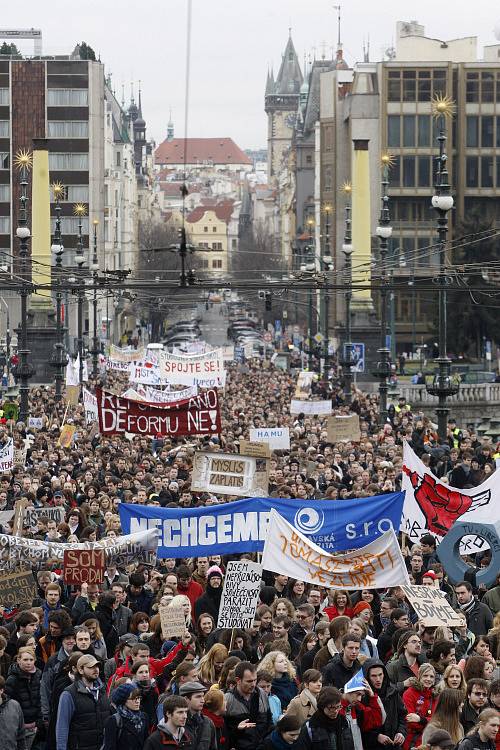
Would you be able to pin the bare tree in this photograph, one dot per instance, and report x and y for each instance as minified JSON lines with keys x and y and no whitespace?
{"x":257,"y":255}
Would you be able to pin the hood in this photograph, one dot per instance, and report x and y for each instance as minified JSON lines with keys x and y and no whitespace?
{"x":369,"y":664}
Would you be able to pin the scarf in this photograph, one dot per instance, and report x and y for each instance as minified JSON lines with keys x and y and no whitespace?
{"x":136,"y":718}
{"x":310,"y":697}
{"x":468,"y":606}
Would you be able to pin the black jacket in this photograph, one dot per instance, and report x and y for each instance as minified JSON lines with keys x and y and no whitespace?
{"x":337,"y":674}
{"x":479,"y":618}
{"x":202,"y":730}
{"x":256,"y":710}
{"x":395,"y":720}
{"x":209,"y":602}
{"x":24,"y":687}
{"x":468,"y":717}
{"x":384,"y":643}
{"x":120,"y":734}
{"x":104,"y":615}
{"x":321,"y":733}
{"x":162,"y":740}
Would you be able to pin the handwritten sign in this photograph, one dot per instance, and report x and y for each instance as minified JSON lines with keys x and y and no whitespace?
{"x":17,"y":589}
{"x":230,"y":474}
{"x":90,"y":406}
{"x":7,"y":456}
{"x":256,"y":450}
{"x":240,"y":594}
{"x":376,"y":566}
{"x":316,"y":408}
{"x":304,"y":383}
{"x":173,"y":622}
{"x":56,"y":513}
{"x":35,"y":422}
{"x":278,"y":438}
{"x":432,"y":607}
{"x":84,"y":566}
{"x":343,"y":427}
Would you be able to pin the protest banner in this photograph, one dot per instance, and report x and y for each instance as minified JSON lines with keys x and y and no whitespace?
{"x":35,"y":423}
{"x":6,"y":517}
{"x":432,"y":506}
{"x":197,"y":369}
{"x":240,"y":594}
{"x":228,"y":353}
{"x":378,"y":565}
{"x":242,"y":525}
{"x":194,"y":416}
{"x":343,"y":427}
{"x":7,"y":456}
{"x":155,"y":396}
{"x":17,"y":589}
{"x":84,"y":566}
{"x":173,"y":622}
{"x":278,"y":438}
{"x":431,"y":606}
{"x":229,"y":474}
{"x":72,"y":394}
{"x":90,"y":406}
{"x":66,"y":435}
{"x":120,"y":551}
{"x":257,"y":450}
{"x":20,"y":456}
{"x":126,"y":355}
{"x":303,"y":385}
{"x":313,"y":408}
{"x":72,"y":373}
{"x":147,"y":374}
{"x":55,"y":513}
{"x":117,"y":365}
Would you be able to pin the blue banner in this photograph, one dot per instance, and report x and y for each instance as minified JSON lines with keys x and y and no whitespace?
{"x":241,"y":525}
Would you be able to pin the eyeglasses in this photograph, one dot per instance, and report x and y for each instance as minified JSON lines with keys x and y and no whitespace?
{"x":479,"y":695}
{"x":335,"y":707}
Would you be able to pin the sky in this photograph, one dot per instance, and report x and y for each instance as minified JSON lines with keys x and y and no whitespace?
{"x":233,"y":42}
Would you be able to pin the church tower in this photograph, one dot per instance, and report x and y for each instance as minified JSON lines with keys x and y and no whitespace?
{"x":281,"y":105}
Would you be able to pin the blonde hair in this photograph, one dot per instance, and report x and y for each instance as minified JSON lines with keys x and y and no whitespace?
{"x":206,"y":665}
{"x":267,"y":664}
{"x":443,"y":684}
{"x":178,"y":601}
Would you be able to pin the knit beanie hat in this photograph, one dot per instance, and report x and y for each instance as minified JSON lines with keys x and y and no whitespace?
{"x":122,"y":693}
{"x":214,"y":572}
{"x":359,"y":607}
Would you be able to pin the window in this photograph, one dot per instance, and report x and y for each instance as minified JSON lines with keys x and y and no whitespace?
{"x":77,"y":194}
{"x":408,"y":171}
{"x":424,"y":171}
{"x":4,"y":97}
{"x":396,"y":172}
{"x":216,"y":264}
{"x":424,"y":130}
{"x":68,"y":129}
{"x":439,"y":82}
{"x":424,"y":86}
{"x":4,"y":128}
{"x":118,"y":159}
{"x":471,"y":171}
{"x":487,"y":131}
{"x":409,"y":85}
{"x":4,"y":225}
{"x":234,"y":244}
{"x":487,"y":87}
{"x":69,"y":161}
{"x":4,"y":160}
{"x":394,"y":86}
{"x":487,"y":171}
{"x":214,"y":229}
{"x":69,"y":224}
{"x":328,"y":178}
{"x":472,"y":87}
{"x":4,"y":193}
{"x":205,"y":229}
{"x":217,"y":246}
{"x":424,"y":251}
{"x":393,"y":130}
{"x":204,"y":263}
{"x":409,"y":130}
{"x":308,"y":159}
{"x":406,"y":251}
{"x":498,"y":171}
{"x":67,"y":97}
{"x":472,"y":131}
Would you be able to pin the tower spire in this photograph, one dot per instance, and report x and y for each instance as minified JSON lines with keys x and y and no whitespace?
{"x":339,"y":43}
{"x":140,"y":103}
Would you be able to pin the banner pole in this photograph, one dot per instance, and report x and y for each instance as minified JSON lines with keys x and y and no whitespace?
{"x":232,"y":639}
{"x":65,"y":413}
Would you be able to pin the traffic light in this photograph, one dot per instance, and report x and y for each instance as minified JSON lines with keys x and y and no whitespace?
{"x":269,"y":306}
{"x":191,"y":278}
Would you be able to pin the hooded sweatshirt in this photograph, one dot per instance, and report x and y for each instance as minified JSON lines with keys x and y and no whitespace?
{"x":394,"y":721}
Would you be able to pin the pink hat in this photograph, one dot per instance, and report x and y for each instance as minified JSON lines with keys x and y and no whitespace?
{"x":214,"y":571}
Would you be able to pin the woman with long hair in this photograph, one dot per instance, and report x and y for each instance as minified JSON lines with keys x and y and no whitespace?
{"x":296,"y":592}
{"x":23,"y":684}
{"x":308,"y":643}
{"x":446,"y":716}
{"x":139,"y":624}
{"x":181,"y":600}
{"x":283,"y":607}
{"x":96,"y":638}
{"x":227,"y":668}
{"x":338,"y":628}
{"x":141,"y":676}
{"x":205,"y":624}
{"x":485,"y":733}
{"x":474,"y":667}
{"x":265,"y":617}
{"x":304,"y":705}
{"x":283,"y":673}
{"x":368,"y":645}
{"x":213,"y":707}
{"x":341,"y":605}
{"x":210,"y":666}
{"x":453,"y":678}
{"x":420,"y":702}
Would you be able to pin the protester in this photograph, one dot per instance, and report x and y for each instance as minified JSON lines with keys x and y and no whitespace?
{"x":127,"y":729}
{"x":12,"y":731}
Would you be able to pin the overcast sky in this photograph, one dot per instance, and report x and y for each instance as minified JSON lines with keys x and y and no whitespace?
{"x":233,"y":42}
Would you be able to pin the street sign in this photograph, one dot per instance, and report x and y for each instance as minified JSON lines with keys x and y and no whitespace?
{"x":285,"y":315}
{"x":319,"y":338}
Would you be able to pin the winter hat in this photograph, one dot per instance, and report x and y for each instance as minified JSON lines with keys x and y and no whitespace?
{"x":121,"y":694}
{"x":440,"y":738}
{"x":430,"y":574}
{"x":359,"y":607}
{"x":288,"y":724}
{"x":214,"y":572}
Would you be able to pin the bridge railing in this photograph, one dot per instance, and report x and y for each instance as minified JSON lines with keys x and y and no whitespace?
{"x":468,"y":393}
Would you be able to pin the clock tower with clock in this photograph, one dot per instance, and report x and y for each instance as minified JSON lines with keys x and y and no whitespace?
{"x":281,"y":106}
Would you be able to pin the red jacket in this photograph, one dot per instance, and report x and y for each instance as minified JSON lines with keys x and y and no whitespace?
{"x":193,"y":591}
{"x":333,"y":612}
{"x":156,"y":666}
{"x":422,"y":703}
{"x":368,"y":717}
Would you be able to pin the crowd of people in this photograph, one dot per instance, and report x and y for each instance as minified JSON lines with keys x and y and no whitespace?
{"x":87,"y":668}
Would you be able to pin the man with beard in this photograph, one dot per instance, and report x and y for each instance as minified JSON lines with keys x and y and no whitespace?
{"x":208,"y":603}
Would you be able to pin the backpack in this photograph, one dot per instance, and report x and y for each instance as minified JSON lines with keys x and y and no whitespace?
{"x":119,"y":726}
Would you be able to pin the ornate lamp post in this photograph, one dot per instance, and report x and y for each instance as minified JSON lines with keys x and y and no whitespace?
{"x":23,"y":161}
{"x":384,"y":233}
{"x":80,"y":210}
{"x":442,"y":385}
{"x":327,"y":260}
{"x":346,"y":361}
{"x":94,"y":267}
{"x":59,"y":358}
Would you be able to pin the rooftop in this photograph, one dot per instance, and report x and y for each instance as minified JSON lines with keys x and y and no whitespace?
{"x":200,"y":151}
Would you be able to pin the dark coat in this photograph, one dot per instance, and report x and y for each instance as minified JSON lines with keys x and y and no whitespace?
{"x":11,"y":725}
{"x":202,"y":730}
{"x":256,"y":710}
{"x":162,"y":740}
{"x":399,"y":670}
{"x":395,"y":720}
{"x":208,"y":603}
{"x":104,"y":616}
{"x":320,"y":733}
{"x":61,"y":682}
{"x":337,"y":674}
{"x":122,"y":735}
{"x":479,"y":618}
{"x":24,"y":687}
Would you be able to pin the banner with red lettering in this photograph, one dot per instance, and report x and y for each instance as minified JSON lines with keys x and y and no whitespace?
{"x":193,"y":416}
{"x":204,"y":370}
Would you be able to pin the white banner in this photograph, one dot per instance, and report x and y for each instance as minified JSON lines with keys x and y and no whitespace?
{"x":90,"y":406}
{"x":73,"y":371}
{"x":146,"y":373}
{"x":115,"y":364}
{"x":7,"y":456}
{"x":378,"y":565}
{"x":35,"y":422}
{"x":316,"y":408}
{"x":240,"y":594}
{"x":228,"y":353}
{"x":230,"y":474}
{"x":278,"y":438}
{"x":199,"y":369}
{"x":432,"y":506}
{"x":125,"y":355}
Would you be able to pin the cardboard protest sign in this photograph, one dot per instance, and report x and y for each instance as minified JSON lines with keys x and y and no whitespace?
{"x":7,"y":456}
{"x":35,"y":422}
{"x":66,"y":436}
{"x":20,"y":456}
{"x":432,"y":607}
{"x":19,"y":511}
{"x":378,"y":565}
{"x":257,"y":450}
{"x":173,"y":622}
{"x":90,"y":406}
{"x":343,"y":427}
{"x":84,"y":566}
{"x":304,"y":383}
{"x":126,"y":355}
{"x":278,"y":438}
{"x":56,"y":513}
{"x":17,"y":589}
{"x":240,"y":594}
{"x":315,"y":408}
{"x":72,"y":394}
{"x":230,"y":474}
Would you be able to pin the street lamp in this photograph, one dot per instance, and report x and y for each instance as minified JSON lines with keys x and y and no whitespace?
{"x":94,"y":267}
{"x":23,"y":162}
{"x":346,"y":360}
{"x":442,"y":385}
{"x":327,"y":260}
{"x":384,"y":233}
{"x":80,"y":211}
{"x":59,"y":358}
